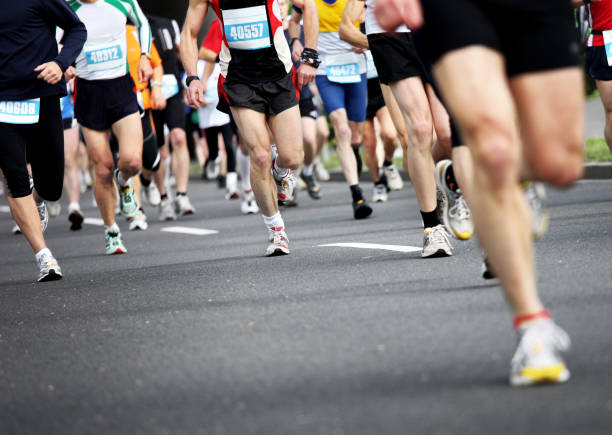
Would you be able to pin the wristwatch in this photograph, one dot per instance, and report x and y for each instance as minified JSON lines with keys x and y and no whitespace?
{"x":310,"y":57}
{"x":189,"y":79}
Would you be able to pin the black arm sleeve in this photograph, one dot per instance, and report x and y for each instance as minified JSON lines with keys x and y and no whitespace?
{"x":75,"y":33}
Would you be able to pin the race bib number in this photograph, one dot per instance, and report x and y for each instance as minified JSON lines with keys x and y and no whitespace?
{"x":67,"y":107}
{"x":170,"y":86}
{"x":20,"y":112}
{"x":247,"y":28}
{"x":607,"y":36}
{"x":372,"y":73}
{"x":343,"y":68}
{"x":104,"y":58}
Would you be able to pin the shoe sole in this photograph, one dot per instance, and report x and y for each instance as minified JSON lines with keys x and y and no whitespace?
{"x":362,"y":212}
{"x":76,"y":221}
{"x":51,"y":276}
{"x":278,"y":252}
{"x":118,"y":251}
{"x":557,"y":374}
{"x":314,"y":195}
{"x":438,"y":254}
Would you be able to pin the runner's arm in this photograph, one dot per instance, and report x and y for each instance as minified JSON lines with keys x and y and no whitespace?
{"x":308,"y":9}
{"x":348,"y":32}
{"x":294,"y":34}
{"x":196,"y":12}
{"x":138,"y":18}
{"x":74,"y":31}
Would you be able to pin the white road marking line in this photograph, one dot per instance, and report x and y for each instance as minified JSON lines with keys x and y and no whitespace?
{"x":188,"y":230}
{"x":5,"y":209}
{"x":94,"y":221}
{"x":396,"y":248}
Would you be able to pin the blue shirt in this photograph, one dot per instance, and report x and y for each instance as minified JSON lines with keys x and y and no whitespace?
{"x":27,"y":39}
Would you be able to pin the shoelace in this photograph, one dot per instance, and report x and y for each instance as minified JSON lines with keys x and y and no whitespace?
{"x":439,"y":235}
{"x":460,"y":209}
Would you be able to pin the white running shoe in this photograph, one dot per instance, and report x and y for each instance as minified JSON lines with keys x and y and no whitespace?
{"x":128,"y":206}
{"x":536,"y":197}
{"x":183,"y":206}
{"x":436,"y":243}
{"x":55,"y":208}
{"x":454,"y":211}
{"x":249,"y":205}
{"x":48,"y":269}
{"x":43,"y":213}
{"x":537,"y":358}
{"x":151,"y":194}
{"x":394,"y":179}
{"x":16,"y":230}
{"x":231,"y":186}
{"x":279,"y":243}
{"x":321,"y":173}
{"x":285,"y":187}
{"x":166,"y":211}
{"x":139,"y":222}
{"x":211,"y":169}
{"x":380,"y":193}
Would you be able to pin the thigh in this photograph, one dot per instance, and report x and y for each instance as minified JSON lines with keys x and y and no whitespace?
{"x":550,"y":108}
{"x":605,"y":93}
{"x":13,"y":161}
{"x":387,"y":129}
{"x":71,"y":143}
{"x":251,"y":127}
{"x":309,"y":129}
{"x":413,"y":102}
{"x":332,"y":94}
{"x":394,"y":110}
{"x":287,"y":129}
{"x":98,"y":147}
{"x":129,"y":135}
{"x":356,"y":98}
{"x":441,"y":120}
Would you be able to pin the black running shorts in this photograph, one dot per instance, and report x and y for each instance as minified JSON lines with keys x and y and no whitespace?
{"x":101,"y":103}
{"x":375,"y":98}
{"x":533,"y":35}
{"x":395,"y":57}
{"x":596,"y":65}
{"x":270,"y":98}
{"x":308,"y":108}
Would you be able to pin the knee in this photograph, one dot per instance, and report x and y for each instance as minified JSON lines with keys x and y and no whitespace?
{"x":131,"y":165}
{"x":497,"y":157}
{"x":104,"y":174}
{"x":293,"y":159}
{"x":262,"y":158}
{"x":422,"y":132}
{"x":389,"y":136}
{"x":178,"y":137}
{"x":343,"y":134}
{"x":559,"y":164}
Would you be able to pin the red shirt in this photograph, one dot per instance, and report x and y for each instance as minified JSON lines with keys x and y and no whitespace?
{"x":213,"y":37}
{"x":600,"y":19}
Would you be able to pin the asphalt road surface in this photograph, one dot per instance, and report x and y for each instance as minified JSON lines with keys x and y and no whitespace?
{"x":201,"y":334}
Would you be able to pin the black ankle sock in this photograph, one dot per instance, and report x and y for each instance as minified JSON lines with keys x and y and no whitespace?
{"x":144,"y":181}
{"x":450,"y":180}
{"x":181,"y":194}
{"x":430,"y":218}
{"x":164,"y":197}
{"x":387,"y":162}
{"x":356,"y":192}
{"x":358,"y":158}
{"x":382,"y":180}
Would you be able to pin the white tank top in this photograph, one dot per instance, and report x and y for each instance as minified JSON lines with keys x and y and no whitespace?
{"x":371,"y":23}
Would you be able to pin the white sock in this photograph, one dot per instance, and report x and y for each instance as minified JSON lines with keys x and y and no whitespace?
{"x":114,"y":228}
{"x":44,"y":251}
{"x":73,"y":206}
{"x":121,"y":180}
{"x":308,"y":169}
{"x":274,"y":222}
{"x":244,"y":164}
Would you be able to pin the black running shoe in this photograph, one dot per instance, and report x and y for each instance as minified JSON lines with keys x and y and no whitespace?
{"x":314,"y":190}
{"x":361,"y":209}
{"x":76,"y":220}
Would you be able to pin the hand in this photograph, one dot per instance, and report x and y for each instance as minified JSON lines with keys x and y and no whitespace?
{"x":50,"y":72}
{"x":159,"y":102}
{"x":195,"y":94}
{"x":306,"y":74}
{"x":70,"y":73}
{"x":359,"y":50}
{"x":392,"y":13}
{"x":296,"y":50}
{"x":145,"y":72}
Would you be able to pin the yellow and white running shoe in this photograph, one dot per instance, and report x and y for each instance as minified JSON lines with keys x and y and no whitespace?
{"x":537,"y":359}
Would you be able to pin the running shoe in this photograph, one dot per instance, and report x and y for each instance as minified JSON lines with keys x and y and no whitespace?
{"x":151,"y":194}
{"x":380,"y":193}
{"x":183,"y":206}
{"x":16,"y":230}
{"x":76,"y":219}
{"x":249,"y":206}
{"x":231,"y":186}
{"x":166,"y":211}
{"x":487,"y":272}
{"x":361,"y":209}
{"x":436,"y":243}
{"x":279,"y":243}
{"x":128,"y":206}
{"x":139,"y":222}
{"x":211,"y":170}
{"x":55,"y":208}
{"x":314,"y":190}
{"x":43,"y":213}
{"x":285,"y":187}
{"x":455,"y":213}
{"x":394,"y":179}
{"x":48,"y":269}
{"x":114,"y":242}
{"x":536,"y":197}
{"x":537,"y":359}
{"x":320,"y":172}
